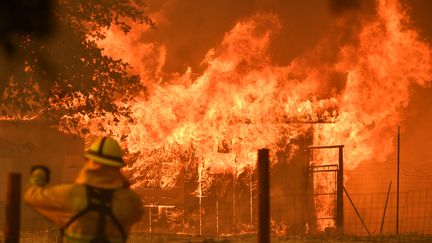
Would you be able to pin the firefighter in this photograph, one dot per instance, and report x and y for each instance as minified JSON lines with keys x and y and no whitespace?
{"x":98,"y":208}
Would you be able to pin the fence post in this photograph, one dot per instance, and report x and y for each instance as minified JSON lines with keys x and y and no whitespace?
{"x":397,"y":181}
{"x":12,"y":208}
{"x":340,"y":189}
{"x":263,"y":196}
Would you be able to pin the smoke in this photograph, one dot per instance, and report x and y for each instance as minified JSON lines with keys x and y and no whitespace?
{"x":339,"y":6}
{"x":188,"y":29}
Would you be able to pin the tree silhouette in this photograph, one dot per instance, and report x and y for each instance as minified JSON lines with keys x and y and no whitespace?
{"x":55,"y":68}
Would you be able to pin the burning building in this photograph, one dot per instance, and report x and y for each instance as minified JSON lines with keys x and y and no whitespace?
{"x":228,"y":204}
{"x":204,"y":128}
{"x":209,"y":103}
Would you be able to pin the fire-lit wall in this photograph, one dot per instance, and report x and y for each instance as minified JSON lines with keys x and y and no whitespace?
{"x":26,"y":143}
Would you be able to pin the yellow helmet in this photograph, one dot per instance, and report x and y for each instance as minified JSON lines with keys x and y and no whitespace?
{"x":106,"y":151}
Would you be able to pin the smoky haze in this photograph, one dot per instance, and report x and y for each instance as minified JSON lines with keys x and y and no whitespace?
{"x":190,"y":28}
{"x":340,"y":6}
{"x":416,"y":141}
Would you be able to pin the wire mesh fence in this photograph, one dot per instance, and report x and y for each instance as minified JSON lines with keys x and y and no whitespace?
{"x":290,"y":216}
{"x":415,"y":213}
{"x":415,"y":218}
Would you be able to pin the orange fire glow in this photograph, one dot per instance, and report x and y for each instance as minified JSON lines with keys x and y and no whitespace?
{"x":242,"y":101}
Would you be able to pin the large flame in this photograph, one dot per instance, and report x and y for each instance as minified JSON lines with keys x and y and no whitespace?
{"x":389,"y":58}
{"x":242,"y":101}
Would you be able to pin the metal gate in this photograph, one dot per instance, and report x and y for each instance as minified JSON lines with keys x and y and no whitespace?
{"x":331,"y":189}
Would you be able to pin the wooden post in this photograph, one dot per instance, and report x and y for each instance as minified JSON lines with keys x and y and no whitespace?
{"x":340,"y":186}
{"x":263,"y":196}
{"x":250,"y":197}
{"x":12,"y":208}
{"x":234,"y":201}
{"x":397,"y":181}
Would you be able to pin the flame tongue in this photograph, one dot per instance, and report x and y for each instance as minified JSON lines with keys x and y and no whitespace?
{"x":242,"y":101}
{"x":388,"y":60}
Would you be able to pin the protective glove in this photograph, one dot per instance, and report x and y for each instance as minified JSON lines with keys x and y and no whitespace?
{"x":42,"y":168}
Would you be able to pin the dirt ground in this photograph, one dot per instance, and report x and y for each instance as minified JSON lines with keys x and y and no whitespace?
{"x":291,"y":239}
{"x":43,"y":237}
